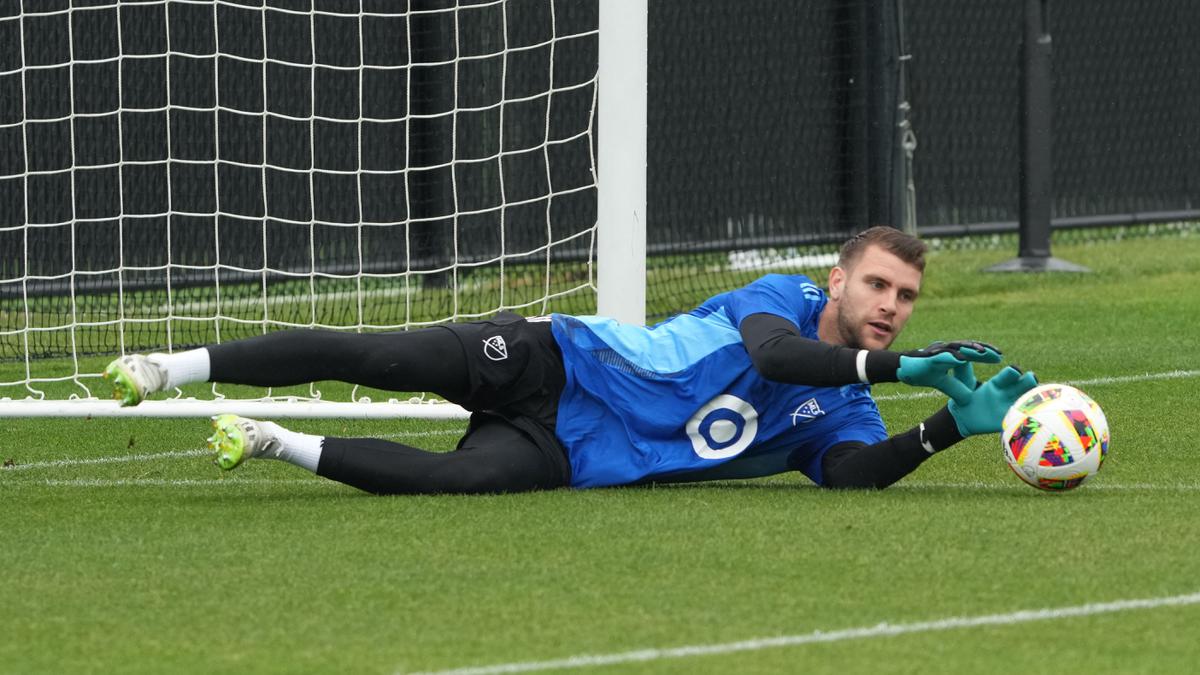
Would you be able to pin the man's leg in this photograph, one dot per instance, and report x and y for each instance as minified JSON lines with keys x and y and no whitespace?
{"x":236,"y":439}
{"x":493,"y":457}
{"x":429,"y":359}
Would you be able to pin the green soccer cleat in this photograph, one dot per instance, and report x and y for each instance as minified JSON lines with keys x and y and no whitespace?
{"x":236,"y":439}
{"x":133,"y":377}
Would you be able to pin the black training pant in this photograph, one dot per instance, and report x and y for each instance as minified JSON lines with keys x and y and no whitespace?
{"x":510,"y":444}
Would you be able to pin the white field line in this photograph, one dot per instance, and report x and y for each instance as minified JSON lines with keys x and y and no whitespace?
{"x":207,"y":307}
{"x":168,"y":482}
{"x":1095,"y":484}
{"x":176,"y":454}
{"x":1169,"y":375}
{"x":423,"y":434}
{"x":150,"y":456}
{"x":883,"y":629}
{"x":164,"y":482}
{"x":1147,"y":377}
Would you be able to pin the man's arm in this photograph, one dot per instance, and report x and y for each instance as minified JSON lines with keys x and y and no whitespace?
{"x":855,"y":465}
{"x":781,"y":354}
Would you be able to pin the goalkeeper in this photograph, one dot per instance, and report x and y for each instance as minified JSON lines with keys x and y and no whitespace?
{"x":768,"y":378}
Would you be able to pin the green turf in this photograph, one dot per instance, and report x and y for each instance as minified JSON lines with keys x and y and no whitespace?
{"x":164,"y":565}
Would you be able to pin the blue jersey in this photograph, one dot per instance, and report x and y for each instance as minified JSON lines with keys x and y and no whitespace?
{"x":682,"y":400}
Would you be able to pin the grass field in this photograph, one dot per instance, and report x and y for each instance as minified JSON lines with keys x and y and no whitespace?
{"x":123,"y":550}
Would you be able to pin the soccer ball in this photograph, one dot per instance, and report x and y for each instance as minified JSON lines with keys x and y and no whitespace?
{"x":1055,"y":437}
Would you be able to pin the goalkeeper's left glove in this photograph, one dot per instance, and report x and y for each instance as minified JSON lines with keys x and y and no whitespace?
{"x":984,"y":410}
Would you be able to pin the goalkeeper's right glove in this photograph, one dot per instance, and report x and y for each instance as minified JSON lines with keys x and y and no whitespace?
{"x":984,"y":410}
{"x":965,"y":350}
{"x":946,"y":366}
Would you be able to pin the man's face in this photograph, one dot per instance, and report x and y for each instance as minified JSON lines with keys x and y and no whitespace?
{"x":874,"y":298}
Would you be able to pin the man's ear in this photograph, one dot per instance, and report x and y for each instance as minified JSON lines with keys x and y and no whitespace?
{"x":837,"y":280}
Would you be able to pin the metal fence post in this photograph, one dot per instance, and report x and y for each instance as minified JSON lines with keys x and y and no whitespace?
{"x":1037,"y":138}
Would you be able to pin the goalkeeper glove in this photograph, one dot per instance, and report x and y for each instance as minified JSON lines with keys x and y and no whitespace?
{"x":965,"y":350}
{"x":984,"y":410}
{"x":946,"y":366}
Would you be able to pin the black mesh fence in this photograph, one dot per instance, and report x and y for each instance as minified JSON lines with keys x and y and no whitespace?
{"x":1126,"y":109}
{"x":755,"y":139}
{"x":747,"y":122}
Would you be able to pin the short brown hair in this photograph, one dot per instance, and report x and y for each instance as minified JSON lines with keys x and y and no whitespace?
{"x":904,"y":246}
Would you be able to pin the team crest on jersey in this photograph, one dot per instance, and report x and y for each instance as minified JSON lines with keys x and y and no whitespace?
{"x":723,"y":427}
{"x":495,"y":348}
{"x":809,"y":410}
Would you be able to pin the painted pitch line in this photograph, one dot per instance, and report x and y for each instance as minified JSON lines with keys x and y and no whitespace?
{"x":1020,"y":487}
{"x":424,"y":434}
{"x":122,"y":482}
{"x":176,"y":454}
{"x":167,"y":482}
{"x":1119,"y":379}
{"x":883,"y":629}
{"x":1169,"y":375}
{"x":57,"y":463}
{"x":207,"y":307}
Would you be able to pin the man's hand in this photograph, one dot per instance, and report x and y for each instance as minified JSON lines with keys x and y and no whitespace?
{"x":946,"y":366}
{"x":985,"y":408}
{"x":965,"y":350}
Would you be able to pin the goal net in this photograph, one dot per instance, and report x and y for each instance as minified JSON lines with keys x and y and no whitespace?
{"x":174,"y":174}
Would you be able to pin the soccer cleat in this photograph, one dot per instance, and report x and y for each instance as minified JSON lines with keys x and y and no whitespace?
{"x":133,"y":377}
{"x":237,"y":438}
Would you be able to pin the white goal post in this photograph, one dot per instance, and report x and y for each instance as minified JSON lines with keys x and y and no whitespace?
{"x":182,"y":172}
{"x":624,"y":33}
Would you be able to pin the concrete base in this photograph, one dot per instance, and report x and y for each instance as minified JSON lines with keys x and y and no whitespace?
{"x":1036,"y":264}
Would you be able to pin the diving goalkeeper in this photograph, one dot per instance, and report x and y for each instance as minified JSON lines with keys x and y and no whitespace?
{"x":772,"y":377}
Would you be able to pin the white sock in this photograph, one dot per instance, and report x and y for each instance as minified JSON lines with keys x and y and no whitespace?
{"x":183,"y":367}
{"x":297,"y":448}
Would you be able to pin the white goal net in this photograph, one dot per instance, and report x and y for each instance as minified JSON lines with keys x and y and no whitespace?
{"x":174,"y":174}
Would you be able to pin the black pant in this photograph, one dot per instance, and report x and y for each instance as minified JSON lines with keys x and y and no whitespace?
{"x":493,"y":456}
{"x":510,"y":444}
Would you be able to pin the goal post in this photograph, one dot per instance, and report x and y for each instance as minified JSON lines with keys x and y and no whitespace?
{"x":621,"y":236}
{"x":176,"y":174}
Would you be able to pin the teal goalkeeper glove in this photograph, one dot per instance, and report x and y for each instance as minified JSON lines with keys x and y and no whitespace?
{"x":965,"y":350}
{"x":985,"y":408}
{"x":946,"y":366}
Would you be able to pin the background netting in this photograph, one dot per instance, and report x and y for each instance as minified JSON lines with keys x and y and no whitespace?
{"x":173,"y":173}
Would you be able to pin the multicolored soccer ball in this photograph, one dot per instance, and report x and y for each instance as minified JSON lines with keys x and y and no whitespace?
{"x":1055,"y":437}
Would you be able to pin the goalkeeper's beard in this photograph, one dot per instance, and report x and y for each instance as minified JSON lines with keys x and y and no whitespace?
{"x":851,"y":330}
